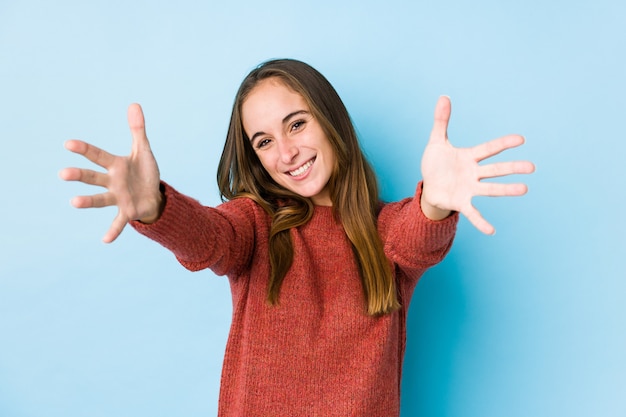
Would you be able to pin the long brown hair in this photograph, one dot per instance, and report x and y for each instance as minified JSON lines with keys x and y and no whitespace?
{"x":353,"y":186}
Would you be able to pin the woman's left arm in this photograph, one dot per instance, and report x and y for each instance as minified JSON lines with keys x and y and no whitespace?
{"x":452,"y":176}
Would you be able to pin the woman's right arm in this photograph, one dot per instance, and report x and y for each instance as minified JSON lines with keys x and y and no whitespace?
{"x":200,"y":237}
{"x":220,"y":238}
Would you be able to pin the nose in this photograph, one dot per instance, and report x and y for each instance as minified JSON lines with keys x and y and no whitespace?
{"x":287,"y":150}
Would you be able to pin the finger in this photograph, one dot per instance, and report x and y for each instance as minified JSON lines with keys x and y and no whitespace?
{"x":86,"y":176}
{"x":137,"y":125}
{"x":116,"y":228}
{"x":478,"y":221}
{"x":91,"y":152}
{"x":94,"y":201}
{"x":443,"y":109}
{"x":494,"y":147}
{"x":490,"y":189}
{"x":502,"y":169}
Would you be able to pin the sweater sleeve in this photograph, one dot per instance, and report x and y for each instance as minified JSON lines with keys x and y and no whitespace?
{"x":411,"y":240}
{"x":220,"y":238}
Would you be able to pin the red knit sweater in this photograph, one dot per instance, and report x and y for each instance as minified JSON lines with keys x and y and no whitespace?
{"x":317,"y":353}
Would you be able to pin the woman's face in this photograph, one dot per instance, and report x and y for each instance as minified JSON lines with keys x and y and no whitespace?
{"x":288,"y":140}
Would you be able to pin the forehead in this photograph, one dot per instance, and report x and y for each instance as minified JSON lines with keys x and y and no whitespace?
{"x":270,"y":100}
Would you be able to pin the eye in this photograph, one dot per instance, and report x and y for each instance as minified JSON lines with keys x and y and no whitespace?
{"x":261,"y":143}
{"x":297,"y":125}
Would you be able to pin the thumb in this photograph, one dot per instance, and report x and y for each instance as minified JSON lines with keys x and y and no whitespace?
{"x":442,"y":117}
{"x":137,"y":126}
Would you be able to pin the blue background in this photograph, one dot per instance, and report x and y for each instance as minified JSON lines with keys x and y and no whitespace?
{"x":530,"y":322}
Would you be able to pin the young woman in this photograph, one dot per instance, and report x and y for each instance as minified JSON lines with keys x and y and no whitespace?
{"x":321,"y":271}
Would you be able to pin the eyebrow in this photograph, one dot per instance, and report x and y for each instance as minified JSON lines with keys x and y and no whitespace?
{"x":285,"y":120}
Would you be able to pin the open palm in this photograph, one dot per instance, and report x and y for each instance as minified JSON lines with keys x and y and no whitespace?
{"x":453,"y":176}
{"x":132,"y":181}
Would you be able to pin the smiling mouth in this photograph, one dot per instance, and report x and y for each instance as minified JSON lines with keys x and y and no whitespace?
{"x":304,"y":168}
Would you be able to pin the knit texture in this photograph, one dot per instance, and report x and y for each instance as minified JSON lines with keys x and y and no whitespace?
{"x":317,"y":353}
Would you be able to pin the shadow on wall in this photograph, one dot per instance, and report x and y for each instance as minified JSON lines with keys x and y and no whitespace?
{"x":436,"y":320}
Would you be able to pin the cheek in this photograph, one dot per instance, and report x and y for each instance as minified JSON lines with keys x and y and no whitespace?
{"x":331,"y":157}
{"x":266,"y":161}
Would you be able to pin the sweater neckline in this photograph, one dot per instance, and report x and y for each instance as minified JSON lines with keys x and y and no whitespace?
{"x":323,"y":216}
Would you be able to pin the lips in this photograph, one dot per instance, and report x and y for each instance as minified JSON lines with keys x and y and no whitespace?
{"x":302,"y":169}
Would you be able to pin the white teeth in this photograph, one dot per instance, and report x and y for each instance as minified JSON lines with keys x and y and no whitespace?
{"x":302,"y":169}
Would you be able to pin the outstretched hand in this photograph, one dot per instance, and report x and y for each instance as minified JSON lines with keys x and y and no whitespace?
{"x":452,"y":176}
{"x":132,"y":181}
